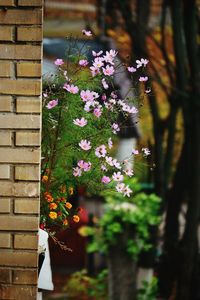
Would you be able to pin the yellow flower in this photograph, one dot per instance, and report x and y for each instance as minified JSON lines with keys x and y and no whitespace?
{"x":71,"y":190}
{"x":53,"y":205}
{"x":53,"y":215}
{"x":76,"y":218}
{"x":68,"y":205}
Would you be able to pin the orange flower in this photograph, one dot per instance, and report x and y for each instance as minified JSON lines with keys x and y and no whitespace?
{"x":59,"y":213}
{"x":71,"y":190}
{"x":53,"y":215}
{"x":53,"y":205}
{"x":65,"y":222}
{"x":68,"y":205}
{"x":48,"y":197}
{"x":76,"y":218}
{"x":45,"y":178}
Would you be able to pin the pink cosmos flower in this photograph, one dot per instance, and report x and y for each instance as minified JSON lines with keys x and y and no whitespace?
{"x":110,"y":143}
{"x":87,"y":32}
{"x":94,"y":71}
{"x":133,"y":110}
{"x":101,"y":151}
{"x":115,"y":128}
{"x":131,"y":69}
{"x":83,"y":62}
{"x":105,"y":179}
{"x":109,"y":57}
{"x":117,"y":176}
{"x":98,"y":62}
{"x":108,"y":70}
{"x":85,"y":166}
{"x":135,"y":152}
{"x":71,"y":88}
{"x":80,"y":122}
{"x":146,"y":151}
{"x":85,"y":145}
{"x":143,"y":78}
{"x":97,"y":112}
{"x":127,"y":191}
{"x":120,"y":187}
{"x":103,"y":168}
{"x":58,"y":62}
{"x":116,"y":164}
{"x":88,"y":95}
{"x":141,"y":62}
{"x":109,"y":160}
{"x":77,"y":172}
{"x":104,"y":97}
{"x":52,"y":103}
{"x":105,"y":84}
{"x":128,"y":172}
{"x":97,"y":53}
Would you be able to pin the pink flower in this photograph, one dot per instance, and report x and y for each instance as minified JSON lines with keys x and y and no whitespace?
{"x":109,"y":57}
{"x":87,"y":32}
{"x":117,"y":176}
{"x":71,"y":88}
{"x":85,"y":166}
{"x":101,"y":151}
{"x":97,"y":112}
{"x":108,"y":70}
{"x":109,"y":160}
{"x":135,"y":152}
{"x":128,"y":172}
{"x":110,"y":143}
{"x":104,"y":97}
{"x":116,"y":164}
{"x":127,"y":191}
{"x":94,"y":71}
{"x":120,"y":187}
{"x":143,"y":78}
{"x":97,"y":53}
{"x":142,"y":62}
{"x":105,"y":84}
{"x":58,"y":62}
{"x":133,"y":110}
{"x":146,"y":151}
{"x":115,"y":128}
{"x":88,"y":95}
{"x":52,"y":103}
{"x":131,"y":69}
{"x":77,"y":172}
{"x":98,"y":62}
{"x":105,"y":179}
{"x":83,"y":62}
{"x":45,"y":95}
{"x":80,"y":122}
{"x":85,"y":145}
{"x":103,"y":168}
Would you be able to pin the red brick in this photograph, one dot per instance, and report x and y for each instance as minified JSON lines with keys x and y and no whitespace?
{"x":21,"y":17}
{"x":17,"y":223}
{"x":18,"y":292}
{"x":24,"y":276}
{"x":24,"y":52}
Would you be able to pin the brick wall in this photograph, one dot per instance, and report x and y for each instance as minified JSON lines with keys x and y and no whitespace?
{"x":20,"y":121}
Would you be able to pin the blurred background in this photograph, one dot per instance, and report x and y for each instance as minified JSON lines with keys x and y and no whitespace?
{"x":166,"y":32}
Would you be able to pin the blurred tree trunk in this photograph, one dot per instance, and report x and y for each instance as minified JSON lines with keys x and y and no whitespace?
{"x":189,"y":244}
{"x":122,"y":270}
